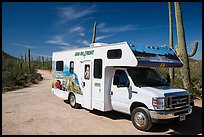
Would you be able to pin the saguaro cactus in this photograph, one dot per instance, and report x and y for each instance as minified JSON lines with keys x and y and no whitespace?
{"x":21,"y":61}
{"x":171,"y":70}
{"x":42,"y":62}
{"x":25,"y":57}
{"x":51,"y":63}
{"x":182,"y":51}
{"x":29,"y":59}
{"x":94,"y":34}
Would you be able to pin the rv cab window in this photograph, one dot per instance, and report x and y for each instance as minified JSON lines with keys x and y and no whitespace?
{"x":59,"y":65}
{"x":121,"y":79}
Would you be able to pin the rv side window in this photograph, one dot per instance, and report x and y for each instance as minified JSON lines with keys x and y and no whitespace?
{"x":98,"y":68}
{"x":114,"y":54}
{"x":87,"y":72}
{"x":59,"y":65}
{"x":71,"y":66}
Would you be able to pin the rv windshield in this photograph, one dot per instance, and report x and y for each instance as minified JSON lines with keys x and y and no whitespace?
{"x":146,"y":77}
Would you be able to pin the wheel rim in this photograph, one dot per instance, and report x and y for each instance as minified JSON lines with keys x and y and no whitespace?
{"x":140,"y":119}
{"x":72,"y":100}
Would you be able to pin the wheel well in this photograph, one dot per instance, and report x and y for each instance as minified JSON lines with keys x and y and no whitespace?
{"x":135,"y":105}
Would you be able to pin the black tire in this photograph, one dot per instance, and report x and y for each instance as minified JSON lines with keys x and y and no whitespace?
{"x":72,"y":101}
{"x":141,"y":118}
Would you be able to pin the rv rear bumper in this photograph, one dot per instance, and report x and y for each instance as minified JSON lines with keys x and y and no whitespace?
{"x":170,"y":114}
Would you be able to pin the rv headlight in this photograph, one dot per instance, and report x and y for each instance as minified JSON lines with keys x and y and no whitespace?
{"x":158,"y":103}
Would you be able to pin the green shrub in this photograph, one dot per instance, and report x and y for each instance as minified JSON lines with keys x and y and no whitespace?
{"x":17,"y":73}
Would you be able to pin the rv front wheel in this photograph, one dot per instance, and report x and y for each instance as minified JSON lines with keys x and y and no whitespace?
{"x":72,"y":101}
{"x":141,"y":119}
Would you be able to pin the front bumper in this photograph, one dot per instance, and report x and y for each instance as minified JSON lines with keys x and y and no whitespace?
{"x":170,"y":114}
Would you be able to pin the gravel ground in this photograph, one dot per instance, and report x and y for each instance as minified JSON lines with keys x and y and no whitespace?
{"x":36,"y":110}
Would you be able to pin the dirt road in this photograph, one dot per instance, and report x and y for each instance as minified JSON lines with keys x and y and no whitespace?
{"x":36,"y":110}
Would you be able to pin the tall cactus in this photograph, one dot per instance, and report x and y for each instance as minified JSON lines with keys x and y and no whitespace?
{"x":182,"y":50}
{"x":25,"y":57}
{"x":51,"y":63}
{"x":94,"y":34}
{"x":21,"y":61}
{"x":29,"y":59}
{"x":171,"y":70}
{"x":42,"y":62}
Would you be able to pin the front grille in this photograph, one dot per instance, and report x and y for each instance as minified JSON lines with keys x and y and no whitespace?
{"x":174,"y":102}
{"x":181,"y":112}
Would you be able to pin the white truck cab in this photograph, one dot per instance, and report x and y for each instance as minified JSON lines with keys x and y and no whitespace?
{"x":143,"y":93}
{"x":121,"y":77}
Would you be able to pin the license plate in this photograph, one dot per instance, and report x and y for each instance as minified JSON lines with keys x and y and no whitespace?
{"x":182,"y":117}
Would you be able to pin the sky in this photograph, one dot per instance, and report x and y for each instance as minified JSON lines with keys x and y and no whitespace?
{"x":46,"y":27}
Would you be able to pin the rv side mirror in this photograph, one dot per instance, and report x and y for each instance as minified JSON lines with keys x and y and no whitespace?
{"x":116,"y":80}
{"x":168,"y":79}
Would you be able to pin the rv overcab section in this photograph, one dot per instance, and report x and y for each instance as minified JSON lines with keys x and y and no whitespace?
{"x":155,"y":56}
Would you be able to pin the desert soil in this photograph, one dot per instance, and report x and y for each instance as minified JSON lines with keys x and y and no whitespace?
{"x":36,"y":110}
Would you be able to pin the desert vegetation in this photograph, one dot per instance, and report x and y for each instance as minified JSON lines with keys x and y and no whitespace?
{"x":19,"y":72}
{"x":195,"y":76}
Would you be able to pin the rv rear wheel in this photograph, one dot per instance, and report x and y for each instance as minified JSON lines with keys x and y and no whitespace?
{"x":72,"y":101}
{"x":141,"y":118}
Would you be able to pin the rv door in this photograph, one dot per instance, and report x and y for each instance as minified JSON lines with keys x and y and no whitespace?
{"x":120,"y":91}
{"x":86,"y":84}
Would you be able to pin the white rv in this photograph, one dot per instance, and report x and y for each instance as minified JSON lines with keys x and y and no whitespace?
{"x":121,"y":77}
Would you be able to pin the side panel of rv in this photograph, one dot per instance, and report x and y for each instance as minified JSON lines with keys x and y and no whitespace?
{"x":92,"y":92}
{"x":66,"y":77}
{"x":76,"y":76}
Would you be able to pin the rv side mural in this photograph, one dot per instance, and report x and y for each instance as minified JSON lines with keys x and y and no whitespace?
{"x":65,"y":80}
